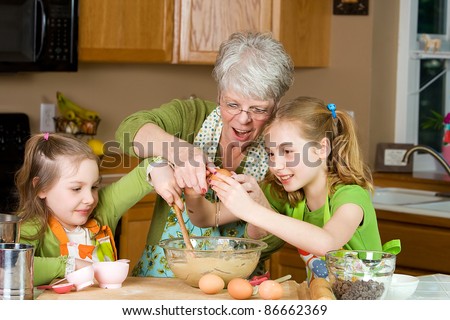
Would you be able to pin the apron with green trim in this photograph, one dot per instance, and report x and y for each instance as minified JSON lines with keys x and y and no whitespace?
{"x":315,"y":266}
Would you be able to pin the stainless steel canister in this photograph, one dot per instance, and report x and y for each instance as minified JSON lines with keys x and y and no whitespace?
{"x":9,"y":228}
{"x":16,"y":271}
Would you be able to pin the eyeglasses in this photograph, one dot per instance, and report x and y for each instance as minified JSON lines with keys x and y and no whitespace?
{"x":253,"y":112}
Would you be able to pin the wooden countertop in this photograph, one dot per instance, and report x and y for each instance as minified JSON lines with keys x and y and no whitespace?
{"x":135,"y":288}
{"x":418,"y":180}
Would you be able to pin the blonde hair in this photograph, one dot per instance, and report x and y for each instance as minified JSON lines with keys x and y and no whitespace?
{"x":41,"y":170}
{"x":314,"y":122}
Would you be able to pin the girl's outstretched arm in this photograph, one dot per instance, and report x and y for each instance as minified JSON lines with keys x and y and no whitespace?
{"x":336,"y":232}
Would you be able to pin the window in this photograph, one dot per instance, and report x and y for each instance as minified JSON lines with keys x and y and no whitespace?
{"x":423,"y":80}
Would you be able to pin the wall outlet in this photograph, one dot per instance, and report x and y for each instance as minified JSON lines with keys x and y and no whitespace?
{"x":48,"y":111}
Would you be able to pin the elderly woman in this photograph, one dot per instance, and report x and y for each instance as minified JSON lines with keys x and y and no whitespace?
{"x":188,"y":138}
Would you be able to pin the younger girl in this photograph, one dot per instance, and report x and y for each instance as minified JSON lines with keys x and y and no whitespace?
{"x":317,"y":181}
{"x":68,"y":220}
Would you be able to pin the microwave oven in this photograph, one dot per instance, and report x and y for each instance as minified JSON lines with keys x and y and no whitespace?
{"x":38,"y":35}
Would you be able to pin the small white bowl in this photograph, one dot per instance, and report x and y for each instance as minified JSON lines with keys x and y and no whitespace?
{"x":402,"y":287}
{"x":82,"y":278}
{"x":111,"y":274}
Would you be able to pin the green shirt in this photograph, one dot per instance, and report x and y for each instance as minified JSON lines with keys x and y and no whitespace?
{"x":114,"y":201}
{"x":366,"y":236}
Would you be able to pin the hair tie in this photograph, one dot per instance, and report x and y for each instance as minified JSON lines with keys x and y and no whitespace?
{"x":332,"y":108}
{"x":46,"y":135}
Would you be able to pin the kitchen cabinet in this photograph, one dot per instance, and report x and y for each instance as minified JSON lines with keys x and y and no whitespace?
{"x":425,"y":241}
{"x":126,"y":30}
{"x":134,"y":228}
{"x":303,"y":26}
{"x":287,"y":261}
{"x":204,"y":25}
{"x":191,"y":31}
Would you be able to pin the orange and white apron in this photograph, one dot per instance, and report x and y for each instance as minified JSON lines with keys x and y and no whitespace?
{"x":103,"y":249}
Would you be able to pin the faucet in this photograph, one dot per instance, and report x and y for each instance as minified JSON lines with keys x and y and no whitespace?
{"x":429,"y":150}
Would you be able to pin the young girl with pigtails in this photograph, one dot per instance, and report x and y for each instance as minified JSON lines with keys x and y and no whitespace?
{"x":318,"y":191}
{"x":65,"y":214}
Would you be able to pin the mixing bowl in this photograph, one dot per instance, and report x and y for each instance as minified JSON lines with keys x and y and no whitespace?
{"x":360,"y":274}
{"x":226,"y":257}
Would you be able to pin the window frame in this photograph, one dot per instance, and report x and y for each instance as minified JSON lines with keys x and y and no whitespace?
{"x":408,"y":81}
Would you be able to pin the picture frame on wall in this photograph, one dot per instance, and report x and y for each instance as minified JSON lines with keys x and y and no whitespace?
{"x":351,"y":7}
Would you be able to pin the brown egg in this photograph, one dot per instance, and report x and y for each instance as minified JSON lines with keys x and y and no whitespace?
{"x":270,"y":290}
{"x":211,"y":283}
{"x":240,"y":289}
{"x":222,"y":171}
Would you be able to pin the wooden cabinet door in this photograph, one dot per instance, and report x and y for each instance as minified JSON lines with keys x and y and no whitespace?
{"x":304,"y":26}
{"x":134,"y":229}
{"x":126,"y":30}
{"x":204,"y":25}
{"x":287,"y":261}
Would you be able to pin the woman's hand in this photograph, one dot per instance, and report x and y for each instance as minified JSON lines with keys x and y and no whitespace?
{"x":189,"y":162}
{"x":190,"y":169}
{"x":165,"y":184}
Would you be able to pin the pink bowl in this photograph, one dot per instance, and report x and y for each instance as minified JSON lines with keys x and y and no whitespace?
{"x":111,"y":274}
{"x":82,"y":278}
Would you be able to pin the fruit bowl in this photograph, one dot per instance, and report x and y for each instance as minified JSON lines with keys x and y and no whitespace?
{"x":226,"y":257}
{"x":76,"y":126}
{"x":360,"y":274}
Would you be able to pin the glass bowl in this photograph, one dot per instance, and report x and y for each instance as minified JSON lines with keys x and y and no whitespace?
{"x":360,"y":274}
{"x":226,"y":257}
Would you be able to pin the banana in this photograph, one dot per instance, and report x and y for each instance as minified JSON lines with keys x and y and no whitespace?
{"x":71,"y":111}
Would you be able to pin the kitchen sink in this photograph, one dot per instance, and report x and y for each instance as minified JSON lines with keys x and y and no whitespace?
{"x":397,"y":196}
{"x":437,"y":206}
{"x":412,"y":201}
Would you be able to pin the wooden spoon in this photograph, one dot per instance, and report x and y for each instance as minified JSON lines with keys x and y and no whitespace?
{"x":184,"y":231}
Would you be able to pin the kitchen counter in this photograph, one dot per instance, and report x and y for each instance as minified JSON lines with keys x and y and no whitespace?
{"x":135,"y":288}
{"x":432,"y":287}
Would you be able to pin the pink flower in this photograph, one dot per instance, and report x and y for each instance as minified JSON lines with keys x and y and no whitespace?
{"x":447,"y":118}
